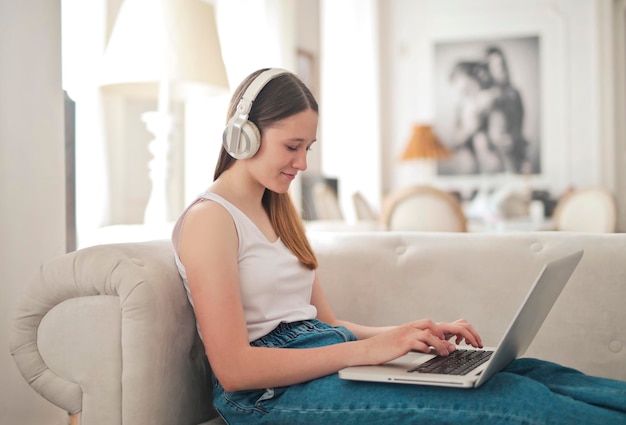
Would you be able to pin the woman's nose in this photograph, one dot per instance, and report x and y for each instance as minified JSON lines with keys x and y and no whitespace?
{"x":300,"y":160}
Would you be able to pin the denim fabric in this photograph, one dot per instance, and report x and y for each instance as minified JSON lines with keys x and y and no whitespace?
{"x":528,"y":391}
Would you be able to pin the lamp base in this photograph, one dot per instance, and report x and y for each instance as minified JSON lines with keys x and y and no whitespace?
{"x":161,"y":126}
{"x":419,"y":172}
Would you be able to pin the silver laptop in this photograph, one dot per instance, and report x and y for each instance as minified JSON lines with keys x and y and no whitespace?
{"x":422,"y":368}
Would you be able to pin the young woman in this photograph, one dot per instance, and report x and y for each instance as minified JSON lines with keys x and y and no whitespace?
{"x":272,"y":340}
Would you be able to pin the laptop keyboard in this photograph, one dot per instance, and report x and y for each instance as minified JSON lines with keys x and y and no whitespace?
{"x":459,"y":362}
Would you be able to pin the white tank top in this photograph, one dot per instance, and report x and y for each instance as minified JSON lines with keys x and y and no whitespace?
{"x":275,"y":286}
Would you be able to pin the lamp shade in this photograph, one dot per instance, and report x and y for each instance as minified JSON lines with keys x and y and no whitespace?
{"x":174,"y":41}
{"x":424,"y":144}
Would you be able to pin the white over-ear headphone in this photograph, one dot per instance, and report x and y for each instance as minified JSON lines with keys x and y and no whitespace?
{"x":242,"y":138}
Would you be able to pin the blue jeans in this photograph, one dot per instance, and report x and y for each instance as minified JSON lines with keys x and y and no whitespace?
{"x":528,"y":391}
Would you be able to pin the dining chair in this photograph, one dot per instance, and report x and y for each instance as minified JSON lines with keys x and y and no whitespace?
{"x":586,"y":210}
{"x":362,"y":208}
{"x":423,"y":208}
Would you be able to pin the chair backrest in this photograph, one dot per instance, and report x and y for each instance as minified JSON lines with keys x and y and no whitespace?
{"x":586,"y":210}
{"x":326,"y":203}
{"x":362,"y":208}
{"x":423,"y":208}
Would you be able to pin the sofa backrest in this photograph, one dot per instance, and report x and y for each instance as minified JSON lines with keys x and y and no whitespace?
{"x":382,"y":278}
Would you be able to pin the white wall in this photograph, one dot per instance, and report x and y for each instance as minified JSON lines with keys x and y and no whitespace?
{"x":32,"y":178}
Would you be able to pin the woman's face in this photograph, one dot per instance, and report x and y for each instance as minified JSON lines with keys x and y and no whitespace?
{"x":283,"y":151}
{"x":495,"y":62}
{"x":465,"y":85}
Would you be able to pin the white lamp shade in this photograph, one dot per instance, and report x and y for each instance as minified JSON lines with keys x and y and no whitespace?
{"x":173,"y":41}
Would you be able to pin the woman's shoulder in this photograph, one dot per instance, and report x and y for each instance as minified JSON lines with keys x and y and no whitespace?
{"x":206,"y":224}
{"x":206,"y":210}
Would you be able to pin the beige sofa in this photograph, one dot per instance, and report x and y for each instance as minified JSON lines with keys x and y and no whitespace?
{"x":107,"y":331}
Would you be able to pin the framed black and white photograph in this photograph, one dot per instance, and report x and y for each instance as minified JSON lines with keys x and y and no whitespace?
{"x":488,"y":105}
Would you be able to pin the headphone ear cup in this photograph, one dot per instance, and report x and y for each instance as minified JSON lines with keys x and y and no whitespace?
{"x":252,"y":140}
{"x":248,"y":143}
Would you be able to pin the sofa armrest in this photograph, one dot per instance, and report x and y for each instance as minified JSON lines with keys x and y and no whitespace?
{"x":108,"y":331}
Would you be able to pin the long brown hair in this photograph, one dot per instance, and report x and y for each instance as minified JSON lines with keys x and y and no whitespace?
{"x":283,"y":96}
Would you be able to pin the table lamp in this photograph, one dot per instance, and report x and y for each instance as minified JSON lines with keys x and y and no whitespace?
{"x":424,"y":147}
{"x":166,"y":50}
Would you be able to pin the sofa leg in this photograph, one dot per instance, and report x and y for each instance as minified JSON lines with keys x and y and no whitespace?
{"x":74,"y":419}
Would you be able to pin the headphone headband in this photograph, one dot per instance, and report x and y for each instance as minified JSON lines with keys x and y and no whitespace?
{"x":255,"y":87}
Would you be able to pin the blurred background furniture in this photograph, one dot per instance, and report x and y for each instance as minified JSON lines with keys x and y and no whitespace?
{"x":322,"y":211}
{"x":423,"y":208}
{"x":507,"y":208}
{"x":308,"y":181}
{"x":326,"y":202}
{"x":586,"y":210}
{"x":362,"y":208}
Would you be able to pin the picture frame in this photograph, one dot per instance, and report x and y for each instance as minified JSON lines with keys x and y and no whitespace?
{"x":487,"y":105}
{"x":554,"y":154}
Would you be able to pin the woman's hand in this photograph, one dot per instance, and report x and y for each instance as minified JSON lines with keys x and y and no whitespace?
{"x":421,"y":335}
{"x":463,"y":331}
